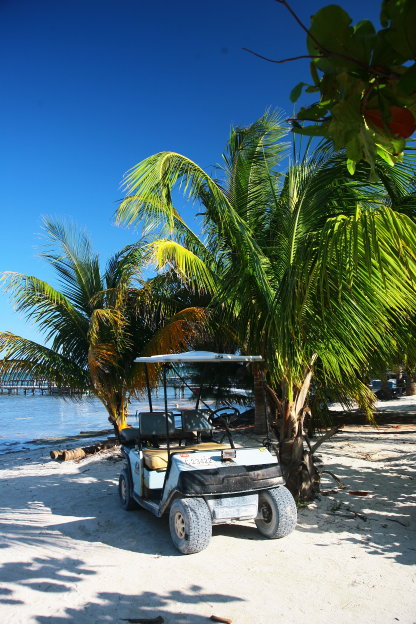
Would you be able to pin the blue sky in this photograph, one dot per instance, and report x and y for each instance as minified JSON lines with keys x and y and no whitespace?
{"x":91,"y":87}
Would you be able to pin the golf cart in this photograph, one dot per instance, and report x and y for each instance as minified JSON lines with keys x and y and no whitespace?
{"x":203,"y":483}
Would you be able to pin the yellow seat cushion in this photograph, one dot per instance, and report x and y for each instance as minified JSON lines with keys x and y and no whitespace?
{"x":157,"y":458}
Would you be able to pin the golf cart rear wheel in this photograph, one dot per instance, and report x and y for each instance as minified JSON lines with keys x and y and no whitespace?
{"x":190,"y":525}
{"x":277,"y":513}
{"x":124,"y":489}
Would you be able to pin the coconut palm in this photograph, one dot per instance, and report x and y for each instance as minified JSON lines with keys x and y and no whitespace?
{"x":309,"y":267}
{"x":96,"y":324}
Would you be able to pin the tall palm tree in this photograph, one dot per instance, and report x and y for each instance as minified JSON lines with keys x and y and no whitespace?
{"x":96,"y":324}
{"x":310,"y":268}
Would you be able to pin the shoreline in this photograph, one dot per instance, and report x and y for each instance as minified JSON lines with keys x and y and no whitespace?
{"x":35,"y":420}
{"x":41,"y":443}
{"x":396,"y":410}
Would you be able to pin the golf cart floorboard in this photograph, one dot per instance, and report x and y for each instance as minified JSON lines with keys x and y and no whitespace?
{"x":148,"y":504}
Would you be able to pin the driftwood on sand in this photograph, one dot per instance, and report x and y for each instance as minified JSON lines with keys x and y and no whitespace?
{"x":83,"y":451}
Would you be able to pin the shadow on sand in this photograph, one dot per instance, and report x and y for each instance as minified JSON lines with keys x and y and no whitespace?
{"x":89,"y":510}
{"x":60,"y":575}
{"x":113,"y":607}
{"x":383,"y":521}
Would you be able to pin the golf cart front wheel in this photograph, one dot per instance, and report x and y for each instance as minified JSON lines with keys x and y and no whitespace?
{"x":124,"y":489}
{"x":277,"y":513}
{"x":190,"y":525}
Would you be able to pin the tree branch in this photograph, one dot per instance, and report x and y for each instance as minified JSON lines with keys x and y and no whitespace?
{"x":301,"y":24}
{"x":325,"y":51}
{"x":327,"y":435}
{"x":340,"y":483}
{"x":294,"y":58}
{"x":294,"y":119}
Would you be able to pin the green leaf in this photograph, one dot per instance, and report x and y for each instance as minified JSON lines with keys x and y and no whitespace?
{"x":385,"y":13}
{"x":384,"y":55}
{"x":400,"y":15}
{"x":315,"y":112}
{"x":407,"y":82}
{"x":363,"y":41}
{"x":296,"y":91}
{"x":317,"y":130}
{"x":351,"y":166}
{"x":329,"y":87}
{"x":314,"y":74}
{"x":346,"y":121}
{"x":398,"y":145}
{"x":353,"y":149}
{"x":385,"y":154}
{"x":331,"y":31}
{"x":368,"y":147}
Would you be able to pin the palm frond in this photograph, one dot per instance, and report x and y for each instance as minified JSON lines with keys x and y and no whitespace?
{"x":190,"y":267}
{"x":22,"y":357}
{"x":179,"y":332}
{"x":62,"y":324}
{"x":70,"y":254}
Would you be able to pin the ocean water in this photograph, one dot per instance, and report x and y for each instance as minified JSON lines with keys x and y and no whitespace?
{"x":24,"y":418}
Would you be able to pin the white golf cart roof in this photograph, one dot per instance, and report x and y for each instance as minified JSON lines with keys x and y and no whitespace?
{"x":198,"y":356}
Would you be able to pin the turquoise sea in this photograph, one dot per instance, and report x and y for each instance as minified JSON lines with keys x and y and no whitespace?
{"x":24,"y":418}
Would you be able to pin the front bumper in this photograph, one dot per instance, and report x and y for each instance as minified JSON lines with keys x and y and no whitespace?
{"x":229,"y":480}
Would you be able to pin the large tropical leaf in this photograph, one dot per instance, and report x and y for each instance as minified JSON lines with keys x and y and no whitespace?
{"x":22,"y":357}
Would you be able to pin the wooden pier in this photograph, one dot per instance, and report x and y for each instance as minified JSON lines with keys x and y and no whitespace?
{"x":43,"y":386}
{"x":33,"y":386}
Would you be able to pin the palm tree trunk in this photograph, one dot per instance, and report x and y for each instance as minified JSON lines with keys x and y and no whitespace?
{"x":117,"y":413}
{"x":301,"y":475}
{"x":410,"y":385}
{"x":385,"y":391}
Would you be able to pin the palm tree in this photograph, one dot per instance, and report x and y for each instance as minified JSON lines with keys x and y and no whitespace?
{"x":309,"y":267}
{"x":96,"y":324}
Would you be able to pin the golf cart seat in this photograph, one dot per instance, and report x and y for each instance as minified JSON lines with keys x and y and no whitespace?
{"x":130,"y":436}
{"x":196,"y":420}
{"x":154,"y":424}
{"x":152,"y":428}
{"x":157,"y":458}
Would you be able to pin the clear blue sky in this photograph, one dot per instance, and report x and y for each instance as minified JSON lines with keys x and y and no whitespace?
{"x":91,"y":87}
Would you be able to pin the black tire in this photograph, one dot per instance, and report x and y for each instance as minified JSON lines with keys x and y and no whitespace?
{"x":125,"y":491}
{"x":190,"y":525}
{"x":278,"y":510}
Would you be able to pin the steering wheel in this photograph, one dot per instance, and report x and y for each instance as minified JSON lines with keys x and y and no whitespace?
{"x":217,"y":419}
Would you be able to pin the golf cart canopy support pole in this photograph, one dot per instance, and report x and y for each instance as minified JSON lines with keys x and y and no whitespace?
{"x":266,"y":420}
{"x":165,"y":392}
{"x":190,"y":389}
{"x":149,"y":394}
{"x":187,"y":358}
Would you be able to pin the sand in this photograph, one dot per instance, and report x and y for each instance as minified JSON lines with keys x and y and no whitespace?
{"x":70,"y":554}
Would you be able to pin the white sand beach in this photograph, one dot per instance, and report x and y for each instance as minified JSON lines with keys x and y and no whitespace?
{"x":70,"y":554}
